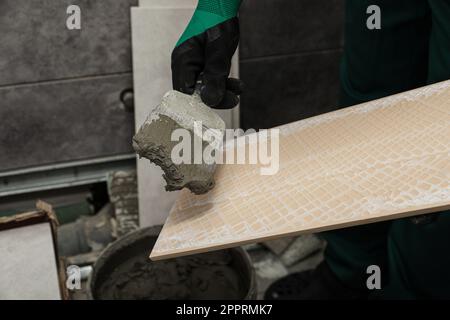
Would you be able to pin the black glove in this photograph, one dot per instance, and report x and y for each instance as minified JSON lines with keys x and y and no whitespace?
{"x":206,"y":57}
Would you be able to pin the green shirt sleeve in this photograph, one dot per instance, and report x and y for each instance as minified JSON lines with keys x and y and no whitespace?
{"x":208,"y":14}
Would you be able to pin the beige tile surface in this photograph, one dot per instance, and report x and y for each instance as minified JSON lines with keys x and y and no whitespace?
{"x":381,"y":160}
{"x":155,"y":30}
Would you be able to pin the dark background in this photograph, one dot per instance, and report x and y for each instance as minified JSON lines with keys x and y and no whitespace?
{"x":289,"y":51}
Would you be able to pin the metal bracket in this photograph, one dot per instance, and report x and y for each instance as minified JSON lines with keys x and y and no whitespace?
{"x":63,"y":175}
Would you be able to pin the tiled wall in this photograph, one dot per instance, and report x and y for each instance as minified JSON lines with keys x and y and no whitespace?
{"x":60,"y":89}
{"x":290,"y":51}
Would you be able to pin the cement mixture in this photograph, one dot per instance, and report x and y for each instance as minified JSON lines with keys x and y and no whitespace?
{"x":154,"y":142}
{"x":205,"y":276}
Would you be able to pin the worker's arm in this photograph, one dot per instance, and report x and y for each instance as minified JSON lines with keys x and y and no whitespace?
{"x":204,"y":52}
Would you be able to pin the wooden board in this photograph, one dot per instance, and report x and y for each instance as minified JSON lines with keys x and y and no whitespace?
{"x":29,"y":269}
{"x":381,"y":160}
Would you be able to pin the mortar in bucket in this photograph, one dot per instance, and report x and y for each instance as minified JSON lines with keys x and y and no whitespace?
{"x":124,"y":271}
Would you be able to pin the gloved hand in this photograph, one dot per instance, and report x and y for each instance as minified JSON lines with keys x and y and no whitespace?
{"x":204,"y":53}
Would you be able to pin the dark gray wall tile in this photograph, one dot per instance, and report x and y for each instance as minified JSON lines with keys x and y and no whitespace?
{"x":64,"y":120}
{"x":289,"y":88}
{"x":276,"y":27}
{"x":36,"y":45}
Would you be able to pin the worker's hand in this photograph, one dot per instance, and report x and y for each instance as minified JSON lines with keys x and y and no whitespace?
{"x":204,"y":54}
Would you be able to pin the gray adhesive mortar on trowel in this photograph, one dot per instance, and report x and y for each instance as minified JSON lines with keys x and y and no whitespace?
{"x":154,"y":140}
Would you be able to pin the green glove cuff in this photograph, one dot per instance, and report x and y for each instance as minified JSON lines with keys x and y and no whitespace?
{"x":208,"y":14}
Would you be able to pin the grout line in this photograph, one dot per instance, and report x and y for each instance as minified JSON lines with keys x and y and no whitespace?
{"x":295,"y":54}
{"x":71,"y":79}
